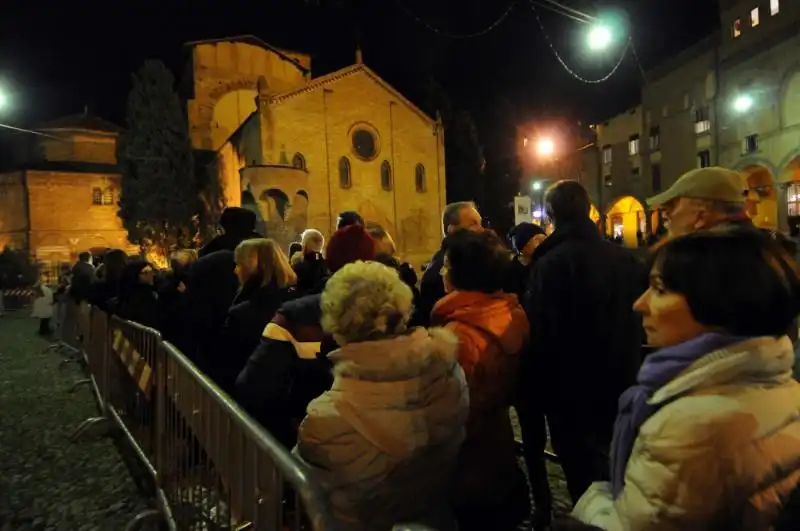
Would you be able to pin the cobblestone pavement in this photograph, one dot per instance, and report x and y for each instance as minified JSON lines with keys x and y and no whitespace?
{"x":47,"y":483}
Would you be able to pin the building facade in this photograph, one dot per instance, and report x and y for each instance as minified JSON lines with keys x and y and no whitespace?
{"x":61,"y":196}
{"x":732,"y":99}
{"x":298,"y":150}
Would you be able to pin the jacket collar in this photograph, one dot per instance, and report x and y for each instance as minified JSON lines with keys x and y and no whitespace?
{"x":583,"y":230}
{"x":765,"y":360}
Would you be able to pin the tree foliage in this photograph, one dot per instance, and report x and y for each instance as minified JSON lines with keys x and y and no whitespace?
{"x":17,"y":269}
{"x":159,"y":204}
{"x":464,"y":157}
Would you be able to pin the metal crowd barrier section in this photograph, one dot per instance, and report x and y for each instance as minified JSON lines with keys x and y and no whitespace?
{"x":205,"y":462}
{"x":221,"y":469}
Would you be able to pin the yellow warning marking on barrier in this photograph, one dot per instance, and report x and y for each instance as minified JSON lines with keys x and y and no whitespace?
{"x":137,"y":366}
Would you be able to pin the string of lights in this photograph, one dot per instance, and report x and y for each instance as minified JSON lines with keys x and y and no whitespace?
{"x":444,"y":33}
{"x":564,"y":64}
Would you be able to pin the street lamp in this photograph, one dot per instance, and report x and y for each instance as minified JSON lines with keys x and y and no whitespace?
{"x":3,"y":100}
{"x":545,"y":147}
{"x":742,"y":103}
{"x":599,"y":37}
{"x":536,"y":186}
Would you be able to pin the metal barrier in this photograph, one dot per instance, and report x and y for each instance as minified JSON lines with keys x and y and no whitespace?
{"x":205,"y":462}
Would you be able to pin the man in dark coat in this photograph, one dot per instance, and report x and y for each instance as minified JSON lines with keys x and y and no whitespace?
{"x":461,"y":215}
{"x":585,"y":337}
{"x":238,"y":224}
{"x":83,"y":276}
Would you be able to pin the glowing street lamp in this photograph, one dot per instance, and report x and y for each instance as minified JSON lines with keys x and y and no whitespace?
{"x":742,"y":103}
{"x":3,"y":100}
{"x":545,"y":147}
{"x":536,"y":186}
{"x":599,"y":37}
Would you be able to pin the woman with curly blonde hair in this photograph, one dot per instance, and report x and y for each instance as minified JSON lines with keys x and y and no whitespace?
{"x":384,"y":439}
{"x":266,"y":281}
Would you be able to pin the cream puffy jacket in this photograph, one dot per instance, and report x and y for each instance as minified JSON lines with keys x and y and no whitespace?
{"x":722,"y":453}
{"x":384,"y":440}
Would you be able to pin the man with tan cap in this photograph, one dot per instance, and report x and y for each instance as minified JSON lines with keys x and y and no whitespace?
{"x":703,"y":198}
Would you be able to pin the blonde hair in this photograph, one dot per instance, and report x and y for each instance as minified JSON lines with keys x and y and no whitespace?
{"x":384,"y":244}
{"x":269,"y":261}
{"x":312,"y":234}
{"x":363,"y":301}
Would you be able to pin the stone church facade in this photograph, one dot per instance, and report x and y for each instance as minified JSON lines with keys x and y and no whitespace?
{"x":61,"y":197}
{"x":298,"y":150}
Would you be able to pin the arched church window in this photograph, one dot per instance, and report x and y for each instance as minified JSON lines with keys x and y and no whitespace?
{"x":97,"y":196}
{"x":299,"y":161}
{"x":345,"y":180}
{"x":386,"y":175}
{"x":108,"y":196}
{"x":419,"y":178}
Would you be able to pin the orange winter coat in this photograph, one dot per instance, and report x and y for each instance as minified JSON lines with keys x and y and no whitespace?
{"x":492,"y":330}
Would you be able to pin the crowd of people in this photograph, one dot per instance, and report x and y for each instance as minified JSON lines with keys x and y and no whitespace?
{"x":397,"y":392}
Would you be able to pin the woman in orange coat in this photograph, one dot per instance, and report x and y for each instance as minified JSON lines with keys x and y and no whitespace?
{"x":490,"y":490}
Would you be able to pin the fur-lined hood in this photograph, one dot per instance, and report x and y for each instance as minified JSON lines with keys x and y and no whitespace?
{"x":397,"y":358}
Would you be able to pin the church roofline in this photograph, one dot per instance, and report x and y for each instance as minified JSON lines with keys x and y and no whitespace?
{"x":255,"y":41}
{"x":347,"y":71}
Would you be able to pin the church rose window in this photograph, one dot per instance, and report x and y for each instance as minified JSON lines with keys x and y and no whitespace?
{"x":365,"y":144}
{"x":344,"y":173}
{"x":386,"y":175}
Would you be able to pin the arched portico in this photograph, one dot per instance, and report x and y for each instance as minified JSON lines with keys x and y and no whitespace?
{"x":625,"y":219}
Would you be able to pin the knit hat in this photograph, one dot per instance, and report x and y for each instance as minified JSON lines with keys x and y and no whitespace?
{"x":524,"y":233}
{"x":347,"y":245}
{"x":713,"y":184}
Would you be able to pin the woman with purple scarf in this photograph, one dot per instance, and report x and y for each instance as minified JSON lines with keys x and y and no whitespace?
{"x":710,"y":436}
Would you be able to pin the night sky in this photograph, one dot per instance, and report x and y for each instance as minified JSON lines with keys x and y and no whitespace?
{"x":71,"y":54}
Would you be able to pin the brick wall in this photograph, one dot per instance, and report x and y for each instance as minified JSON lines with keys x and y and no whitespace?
{"x":62,"y":213}
{"x":13,"y":218}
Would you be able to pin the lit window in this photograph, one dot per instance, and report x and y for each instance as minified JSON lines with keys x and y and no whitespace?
{"x":633,"y":145}
{"x":655,"y":138}
{"x":754,"y":21}
{"x":606,"y":154}
{"x":793,"y":197}
{"x":108,"y":197}
{"x":97,"y":196}
{"x":774,"y":7}
{"x":737,"y":28}
{"x":702,"y":122}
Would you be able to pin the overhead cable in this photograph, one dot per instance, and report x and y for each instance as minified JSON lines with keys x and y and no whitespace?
{"x":564,"y":63}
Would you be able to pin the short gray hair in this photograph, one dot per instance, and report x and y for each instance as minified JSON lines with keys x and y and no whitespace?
{"x":452,"y":213}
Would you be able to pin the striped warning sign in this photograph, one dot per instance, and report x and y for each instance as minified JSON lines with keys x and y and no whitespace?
{"x":136,"y":364}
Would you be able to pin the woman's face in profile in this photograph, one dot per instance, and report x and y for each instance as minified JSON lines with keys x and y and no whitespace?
{"x":666,"y":316}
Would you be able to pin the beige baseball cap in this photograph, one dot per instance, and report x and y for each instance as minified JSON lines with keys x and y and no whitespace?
{"x":713,"y":184}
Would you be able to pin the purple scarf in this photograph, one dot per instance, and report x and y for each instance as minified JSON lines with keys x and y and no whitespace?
{"x":659,"y":368}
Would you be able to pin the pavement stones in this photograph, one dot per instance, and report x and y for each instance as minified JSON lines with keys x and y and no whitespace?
{"x":47,"y":483}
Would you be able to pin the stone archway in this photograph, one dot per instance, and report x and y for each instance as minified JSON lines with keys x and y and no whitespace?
{"x":208,"y":106}
{"x":626,"y":219}
{"x":762,"y":197}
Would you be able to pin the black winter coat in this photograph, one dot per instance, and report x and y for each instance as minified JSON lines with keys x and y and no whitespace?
{"x":288,"y":369}
{"x":585,"y":337}
{"x":252,"y":309}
